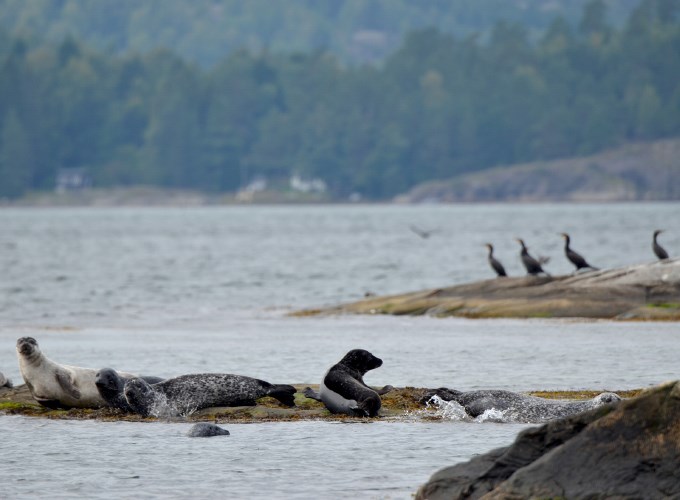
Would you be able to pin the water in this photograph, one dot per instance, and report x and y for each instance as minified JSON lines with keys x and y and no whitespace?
{"x":171,"y":291}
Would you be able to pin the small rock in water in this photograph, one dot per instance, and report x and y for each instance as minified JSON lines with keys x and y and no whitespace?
{"x":206,"y":430}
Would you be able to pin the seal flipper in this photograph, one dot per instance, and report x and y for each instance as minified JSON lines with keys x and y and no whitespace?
{"x":65,"y":382}
{"x":312,"y":394}
{"x":284,"y":393}
{"x":384,"y":390}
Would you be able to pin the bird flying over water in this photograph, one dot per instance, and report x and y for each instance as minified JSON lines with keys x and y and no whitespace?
{"x":574,"y":257}
{"x":532,"y":266}
{"x":423,"y":233}
{"x":497,"y":266}
{"x":659,"y":251}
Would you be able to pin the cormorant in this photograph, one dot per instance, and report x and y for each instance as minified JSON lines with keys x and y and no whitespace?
{"x":575,"y":258}
{"x":659,"y":251}
{"x":532,"y":265}
{"x":497,"y":266}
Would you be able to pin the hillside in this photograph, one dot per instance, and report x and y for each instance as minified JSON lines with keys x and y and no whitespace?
{"x":641,"y":171}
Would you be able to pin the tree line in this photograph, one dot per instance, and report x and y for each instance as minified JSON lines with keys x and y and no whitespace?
{"x":439,"y":106}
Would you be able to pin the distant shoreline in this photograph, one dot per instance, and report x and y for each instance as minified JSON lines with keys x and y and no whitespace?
{"x":145,"y":196}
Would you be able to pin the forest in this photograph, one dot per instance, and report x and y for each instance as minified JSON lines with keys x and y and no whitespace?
{"x":438,"y":106}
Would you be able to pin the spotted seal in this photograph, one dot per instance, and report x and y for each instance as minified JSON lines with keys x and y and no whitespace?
{"x":110,"y":385}
{"x":204,"y":429}
{"x":185,"y":394}
{"x":55,"y":385}
{"x":343,"y":389}
{"x":519,"y":407}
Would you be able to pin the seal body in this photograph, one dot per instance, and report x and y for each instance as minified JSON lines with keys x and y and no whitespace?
{"x":110,"y":385}
{"x":186,"y":394}
{"x":5,"y":382}
{"x":206,"y":430}
{"x":520,"y":407}
{"x":343,"y":389}
{"x":55,"y":385}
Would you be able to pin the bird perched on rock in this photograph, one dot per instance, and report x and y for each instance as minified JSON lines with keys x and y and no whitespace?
{"x":532,"y":266}
{"x":659,"y":251}
{"x":574,"y":257}
{"x":493,"y":262}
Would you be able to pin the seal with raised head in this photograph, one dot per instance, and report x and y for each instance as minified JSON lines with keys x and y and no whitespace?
{"x":519,"y":407}
{"x":343,"y":389}
{"x":55,"y":385}
{"x":186,"y":394}
{"x":110,"y":385}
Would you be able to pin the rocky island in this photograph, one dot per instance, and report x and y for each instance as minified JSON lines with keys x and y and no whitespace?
{"x":649,"y":291}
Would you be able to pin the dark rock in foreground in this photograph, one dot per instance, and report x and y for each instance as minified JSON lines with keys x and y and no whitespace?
{"x":629,"y":449}
{"x":642,"y":292}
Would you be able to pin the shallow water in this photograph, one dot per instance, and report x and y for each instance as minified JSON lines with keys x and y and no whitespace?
{"x":171,"y":291}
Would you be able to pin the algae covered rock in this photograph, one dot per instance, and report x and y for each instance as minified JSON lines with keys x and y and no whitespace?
{"x":629,"y":449}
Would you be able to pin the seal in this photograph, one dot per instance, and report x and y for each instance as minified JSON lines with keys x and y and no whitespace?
{"x":5,"y":382}
{"x":55,"y":385}
{"x":110,"y":385}
{"x":186,"y":394}
{"x":206,"y":430}
{"x":519,"y":407}
{"x":343,"y":389}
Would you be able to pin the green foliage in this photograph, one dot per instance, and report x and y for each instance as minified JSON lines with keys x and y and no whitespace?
{"x":439,"y":106}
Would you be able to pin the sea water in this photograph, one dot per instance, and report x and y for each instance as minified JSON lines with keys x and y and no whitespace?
{"x":171,"y":291}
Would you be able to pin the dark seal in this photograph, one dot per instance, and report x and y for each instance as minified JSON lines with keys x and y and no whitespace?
{"x":110,"y":385}
{"x":206,"y":430}
{"x":188,"y":393}
{"x":343,"y":389}
{"x":519,"y":407}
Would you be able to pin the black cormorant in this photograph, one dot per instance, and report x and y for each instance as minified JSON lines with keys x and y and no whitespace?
{"x":659,"y":251}
{"x":497,"y":266}
{"x":532,"y":265}
{"x":574,"y":257}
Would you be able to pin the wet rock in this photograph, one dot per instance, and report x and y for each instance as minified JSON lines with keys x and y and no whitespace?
{"x":644,"y":291}
{"x":629,"y":449}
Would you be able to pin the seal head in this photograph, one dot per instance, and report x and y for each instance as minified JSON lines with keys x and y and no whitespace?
{"x":206,"y":430}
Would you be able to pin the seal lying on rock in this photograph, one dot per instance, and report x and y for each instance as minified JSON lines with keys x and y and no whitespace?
{"x":5,"y":382}
{"x":519,"y":407}
{"x":343,"y":389}
{"x":54,"y":385}
{"x":110,"y":385}
{"x":206,"y":430}
{"x":185,"y":394}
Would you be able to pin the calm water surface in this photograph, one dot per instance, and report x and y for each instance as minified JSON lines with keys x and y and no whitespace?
{"x":171,"y":291}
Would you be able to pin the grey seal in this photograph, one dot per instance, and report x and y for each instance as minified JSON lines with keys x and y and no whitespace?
{"x":343,"y":389}
{"x":519,"y":407}
{"x":55,"y":385}
{"x":110,"y":385}
{"x":206,"y":430}
{"x":187,"y":393}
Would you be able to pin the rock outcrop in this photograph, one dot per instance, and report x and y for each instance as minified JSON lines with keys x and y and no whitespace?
{"x":648,"y":291}
{"x":629,"y":449}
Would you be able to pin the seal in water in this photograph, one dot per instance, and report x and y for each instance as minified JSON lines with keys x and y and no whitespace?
{"x":205,"y":430}
{"x":110,"y":386}
{"x":343,"y":389}
{"x":187,"y":393}
{"x":519,"y":407}
{"x":5,"y":382}
{"x":54,"y":385}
